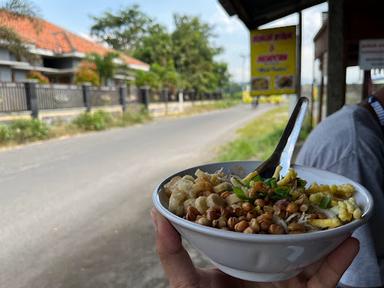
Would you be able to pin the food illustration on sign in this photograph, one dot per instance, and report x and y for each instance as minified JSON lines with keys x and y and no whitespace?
{"x":260,"y":83}
{"x":284,"y":81}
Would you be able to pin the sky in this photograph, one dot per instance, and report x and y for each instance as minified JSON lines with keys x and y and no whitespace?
{"x":231,"y":33}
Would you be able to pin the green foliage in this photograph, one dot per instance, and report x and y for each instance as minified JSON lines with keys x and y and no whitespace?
{"x":23,"y":8}
{"x":101,"y":120}
{"x":36,"y":75}
{"x":6,"y":134}
{"x":122,"y":30}
{"x":257,"y":139}
{"x":22,"y":131}
{"x":133,"y":117}
{"x":28,"y":130}
{"x":149,"y":78}
{"x":87,"y":73}
{"x":156,"y":46}
{"x":184,"y":57}
{"x":105,"y":65}
{"x":94,"y":121}
{"x":194,"y":54}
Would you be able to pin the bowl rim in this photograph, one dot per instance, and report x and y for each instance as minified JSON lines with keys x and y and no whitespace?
{"x":344,"y":229}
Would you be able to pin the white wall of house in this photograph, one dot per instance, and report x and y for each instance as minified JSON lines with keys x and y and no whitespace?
{"x":5,"y":74}
{"x":4,"y":54}
{"x":20,"y":75}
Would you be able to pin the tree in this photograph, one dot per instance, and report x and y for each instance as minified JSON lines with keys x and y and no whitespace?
{"x":105,"y":65}
{"x":122,"y":30}
{"x":156,"y":46}
{"x":194,"y":54}
{"x":183,"y":58}
{"x":11,"y":41}
{"x":149,"y":78}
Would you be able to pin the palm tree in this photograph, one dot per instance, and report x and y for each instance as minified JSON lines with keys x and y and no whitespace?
{"x":10,"y":40}
{"x":105,"y":65}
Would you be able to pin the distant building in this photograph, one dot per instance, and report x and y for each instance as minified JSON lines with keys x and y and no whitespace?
{"x":59,"y":53}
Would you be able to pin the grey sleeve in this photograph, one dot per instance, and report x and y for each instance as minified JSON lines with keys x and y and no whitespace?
{"x":365,"y":168}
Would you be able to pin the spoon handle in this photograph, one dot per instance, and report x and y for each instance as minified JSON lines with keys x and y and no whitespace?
{"x":284,"y":149}
{"x":291,"y":134}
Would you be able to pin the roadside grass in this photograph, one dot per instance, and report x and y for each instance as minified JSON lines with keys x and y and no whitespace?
{"x":25,"y":131}
{"x":257,"y":139}
{"x":31,"y":130}
{"x":217,"y":105}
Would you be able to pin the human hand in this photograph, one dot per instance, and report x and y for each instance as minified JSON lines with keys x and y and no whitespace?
{"x":181,"y":272}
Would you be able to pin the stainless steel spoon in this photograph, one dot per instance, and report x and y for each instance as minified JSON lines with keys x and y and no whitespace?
{"x":283,"y":152}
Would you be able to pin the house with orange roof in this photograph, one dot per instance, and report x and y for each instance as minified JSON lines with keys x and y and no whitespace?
{"x":59,"y":53}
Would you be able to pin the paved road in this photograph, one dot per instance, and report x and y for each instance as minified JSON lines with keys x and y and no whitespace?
{"x":75,"y":212}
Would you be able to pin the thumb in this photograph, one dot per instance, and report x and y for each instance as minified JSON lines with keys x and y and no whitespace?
{"x":174,"y":258}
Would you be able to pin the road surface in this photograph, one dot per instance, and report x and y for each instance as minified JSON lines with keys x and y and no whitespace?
{"x":75,"y":212}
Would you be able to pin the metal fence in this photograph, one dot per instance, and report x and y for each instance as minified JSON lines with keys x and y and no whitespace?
{"x":133,"y":95}
{"x":104,"y":96}
{"x":59,"y":96}
{"x":13,"y":97}
{"x":29,"y":96}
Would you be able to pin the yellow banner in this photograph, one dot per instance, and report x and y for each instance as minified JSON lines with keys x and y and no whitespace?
{"x":273,"y":61}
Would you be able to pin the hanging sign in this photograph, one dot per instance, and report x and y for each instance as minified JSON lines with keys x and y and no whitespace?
{"x":273,"y":61}
{"x":371,"y":54}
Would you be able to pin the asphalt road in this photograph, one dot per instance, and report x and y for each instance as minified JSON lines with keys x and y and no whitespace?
{"x":75,"y":212}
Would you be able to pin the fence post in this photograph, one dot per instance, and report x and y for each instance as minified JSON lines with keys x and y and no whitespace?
{"x":123,"y":97}
{"x":87,"y":97}
{"x":164,"y":98}
{"x":144,"y":94}
{"x":164,"y":95}
{"x":30,"y":92}
{"x":181,"y":100}
{"x":192,"y":95}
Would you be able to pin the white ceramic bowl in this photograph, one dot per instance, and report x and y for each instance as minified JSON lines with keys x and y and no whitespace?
{"x":263,"y":257}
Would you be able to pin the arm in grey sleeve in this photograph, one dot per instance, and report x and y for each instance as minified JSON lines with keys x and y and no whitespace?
{"x":366,"y":168}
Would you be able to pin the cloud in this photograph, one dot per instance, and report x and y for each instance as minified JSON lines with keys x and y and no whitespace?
{"x":285,"y":21}
{"x":87,"y":36}
{"x":92,"y":38}
{"x":307,"y":64}
{"x":224,"y":23}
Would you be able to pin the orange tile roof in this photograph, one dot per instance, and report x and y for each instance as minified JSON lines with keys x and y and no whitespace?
{"x":51,"y":37}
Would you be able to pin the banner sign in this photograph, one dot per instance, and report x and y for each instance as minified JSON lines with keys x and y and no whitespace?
{"x":273,"y":61}
{"x":371,"y":54}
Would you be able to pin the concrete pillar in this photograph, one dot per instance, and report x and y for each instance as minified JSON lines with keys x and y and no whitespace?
{"x":181,"y":101}
{"x":336,"y":57}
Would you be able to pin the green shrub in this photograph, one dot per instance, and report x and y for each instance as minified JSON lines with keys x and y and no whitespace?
{"x":95,"y":121}
{"x":135,"y":116}
{"x":5,"y":133}
{"x":29,"y":130}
